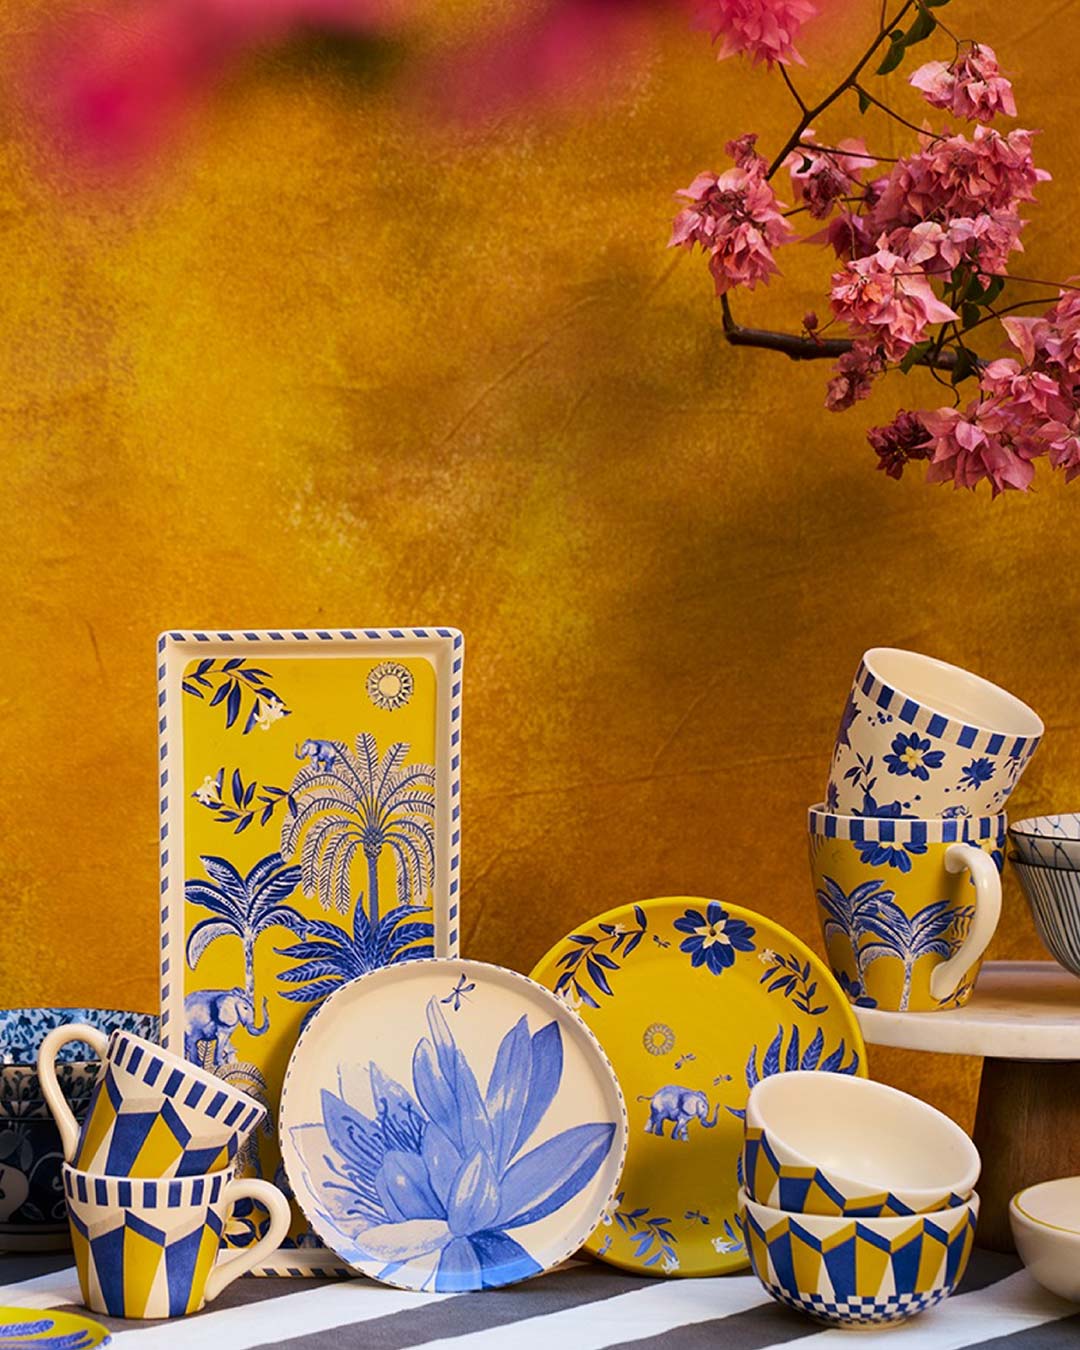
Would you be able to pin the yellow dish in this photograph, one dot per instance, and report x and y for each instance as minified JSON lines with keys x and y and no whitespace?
{"x":694,"y":1001}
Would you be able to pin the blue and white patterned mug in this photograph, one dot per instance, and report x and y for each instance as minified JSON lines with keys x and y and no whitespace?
{"x":152,"y":1114}
{"x":919,"y":737}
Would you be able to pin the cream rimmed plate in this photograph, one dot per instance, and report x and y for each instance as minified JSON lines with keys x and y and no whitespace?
{"x":448,"y":1125}
{"x":694,"y":1001}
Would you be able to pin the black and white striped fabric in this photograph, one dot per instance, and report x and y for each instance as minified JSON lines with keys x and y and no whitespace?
{"x":582,"y":1306}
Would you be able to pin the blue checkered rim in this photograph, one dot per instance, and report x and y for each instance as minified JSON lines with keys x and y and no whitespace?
{"x":976,"y":739}
{"x":906,"y":829}
{"x":186,"y":1083}
{"x":127,"y":1193}
{"x":857,"y":1308}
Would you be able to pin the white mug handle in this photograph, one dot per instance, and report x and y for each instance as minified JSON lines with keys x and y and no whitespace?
{"x":50,"y":1088}
{"x":945,"y":979}
{"x":229,"y":1269}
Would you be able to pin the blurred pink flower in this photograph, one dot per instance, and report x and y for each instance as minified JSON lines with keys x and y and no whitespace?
{"x":854,"y":376}
{"x":887,"y":297}
{"x":905,"y":438}
{"x":112,"y":82}
{"x":848,"y":234}
{"x":971,"y":86}
{"x":764,"y":30}
{"x":736,"y":219}
{"x":820,"y":178}
{"x":988,"y":440}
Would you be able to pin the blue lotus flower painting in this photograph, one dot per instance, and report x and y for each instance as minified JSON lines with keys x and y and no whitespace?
{"x":443,"y":1184}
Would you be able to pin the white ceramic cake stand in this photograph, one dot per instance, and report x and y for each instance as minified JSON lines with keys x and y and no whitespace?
{"x":1024,"y":1019}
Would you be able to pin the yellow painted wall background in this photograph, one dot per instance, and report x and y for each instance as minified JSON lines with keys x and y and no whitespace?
{"x":334,"y":366}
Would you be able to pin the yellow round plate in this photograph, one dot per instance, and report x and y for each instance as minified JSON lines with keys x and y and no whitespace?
{"x":694,"y":1001}
{"x":43,"y":1329}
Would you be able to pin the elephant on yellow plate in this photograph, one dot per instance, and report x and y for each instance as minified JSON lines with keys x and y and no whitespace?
{"x":680,"y":1105}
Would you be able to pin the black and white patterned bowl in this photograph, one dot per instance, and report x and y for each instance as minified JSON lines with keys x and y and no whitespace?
{"x":1048,"y":841}
{"x":1053,"y":895}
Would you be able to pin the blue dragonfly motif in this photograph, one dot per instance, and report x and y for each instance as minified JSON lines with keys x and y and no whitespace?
{"x":460,"y":990}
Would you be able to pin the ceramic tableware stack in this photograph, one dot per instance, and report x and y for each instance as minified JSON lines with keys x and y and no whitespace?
{"x":1046,"y":858}
{"x":858,"y":1203}
{"x":907,"y":849}
{"x":149,"y":1181}
{"x":32,"y":1212}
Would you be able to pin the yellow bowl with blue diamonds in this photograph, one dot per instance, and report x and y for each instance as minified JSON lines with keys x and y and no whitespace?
{"x":851,"y":1272}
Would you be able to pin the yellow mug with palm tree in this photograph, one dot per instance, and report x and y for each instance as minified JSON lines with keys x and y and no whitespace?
{"x":907,"y":906}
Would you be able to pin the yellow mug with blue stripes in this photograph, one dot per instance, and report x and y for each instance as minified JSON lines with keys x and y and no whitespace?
{"x":148,"y":1248}
{"x":152,"y":1114}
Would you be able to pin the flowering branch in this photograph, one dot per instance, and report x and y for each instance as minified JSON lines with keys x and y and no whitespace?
{"x":922,"y":250}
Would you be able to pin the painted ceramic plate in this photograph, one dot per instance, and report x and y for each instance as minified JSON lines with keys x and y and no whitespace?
{"x":309,"y":834}
{"x":450,"y":1126}
{"x":48,"y":1330}
{"x":694,"y":1001}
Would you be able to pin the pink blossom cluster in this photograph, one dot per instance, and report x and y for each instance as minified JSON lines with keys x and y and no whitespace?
{"x":971,"y":86}
{"x":735,"y":218}
{"x":822,"y":177}
{"x":763,"y":30}
{"x":888,"y":299}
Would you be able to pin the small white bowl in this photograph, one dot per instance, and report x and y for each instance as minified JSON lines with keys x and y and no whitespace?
{"x":858,"y":1272}
{"x":1048,"y":841}
{"x":855,"y":1140}
{"x":1045,"y":1222}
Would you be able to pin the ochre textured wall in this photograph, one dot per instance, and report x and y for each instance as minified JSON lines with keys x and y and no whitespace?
{"x":332,"y":366}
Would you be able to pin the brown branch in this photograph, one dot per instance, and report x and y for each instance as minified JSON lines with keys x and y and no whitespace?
{"x":803,"y":347}
{"x":829,"y":99}
{"x":891,"y":112}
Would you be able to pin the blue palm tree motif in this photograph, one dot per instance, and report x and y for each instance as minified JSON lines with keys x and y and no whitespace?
{"x":843,"y":909}
{"x":785,"y":1058}
{"x":331,"y":956}
{"x":243,"y":907}
{"x":883,"y":930}
{"x":358,"y":801}
{"x":438,"y":1178}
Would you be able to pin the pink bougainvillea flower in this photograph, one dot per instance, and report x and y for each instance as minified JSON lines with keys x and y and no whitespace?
{"x":986,"y":240}
{"x":743,"y":150}
{"x":853,"y":376}
{"x":953,"y":176}
{"x":736,"y":219}
{"x":988,"y":440}
{"x":1063,"y":442}
{"x":970,"y":87}
{"x":820,"y":178}
{"x":887,"y":297}
{"x":1032,"y":394}
{"x":764,"y":30}
{"x":1050,"y":341}
{"x":847,"y":234}
{"x":905,"y":438}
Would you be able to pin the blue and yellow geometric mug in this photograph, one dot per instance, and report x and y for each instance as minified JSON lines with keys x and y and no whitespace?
{"x":152,"y":1114}
{"x":153,"y":1248}
{"x":907,"y":906}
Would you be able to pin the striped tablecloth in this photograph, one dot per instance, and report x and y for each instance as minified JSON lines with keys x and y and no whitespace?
{"x":583,"y":1306}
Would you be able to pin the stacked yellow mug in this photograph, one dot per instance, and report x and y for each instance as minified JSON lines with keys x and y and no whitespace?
{"x":907,"y":849}
{"x":149,"y":1177}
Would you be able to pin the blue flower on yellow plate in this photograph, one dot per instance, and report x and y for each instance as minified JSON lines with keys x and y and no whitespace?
{"x":714,"y":937}
{"x":978,"y":772}
{"x":911,"y":754}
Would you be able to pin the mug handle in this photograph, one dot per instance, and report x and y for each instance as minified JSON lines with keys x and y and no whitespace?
{"x":66,"y":1123}
{"x":251,"y":1188}
{"x":945,"y":979}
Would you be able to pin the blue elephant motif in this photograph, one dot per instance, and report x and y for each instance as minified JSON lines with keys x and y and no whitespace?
{"x":680,"y":1105}
{"x":321,"y":753}
{"x":211,"y":1016}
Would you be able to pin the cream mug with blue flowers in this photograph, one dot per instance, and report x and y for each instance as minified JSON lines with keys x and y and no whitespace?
{"x":907,"y":906}
{"x":920,"y":737}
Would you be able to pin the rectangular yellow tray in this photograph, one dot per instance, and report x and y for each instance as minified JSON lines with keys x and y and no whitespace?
{"x":310,"y":828}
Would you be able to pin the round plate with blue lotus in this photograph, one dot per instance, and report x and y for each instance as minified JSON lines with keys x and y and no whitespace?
{"x":694,"y":1002}
{"x":43,"y":1329}
{"x":449,"y":1126}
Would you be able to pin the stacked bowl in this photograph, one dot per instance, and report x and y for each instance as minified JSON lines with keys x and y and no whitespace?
{"x":857,"y":1203}
{"x":907,"y":848}
{"x":1046,"y":858}
{"x":32,"y":1212}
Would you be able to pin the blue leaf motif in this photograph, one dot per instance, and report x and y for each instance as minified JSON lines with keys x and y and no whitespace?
{"x":544,"y":1180}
